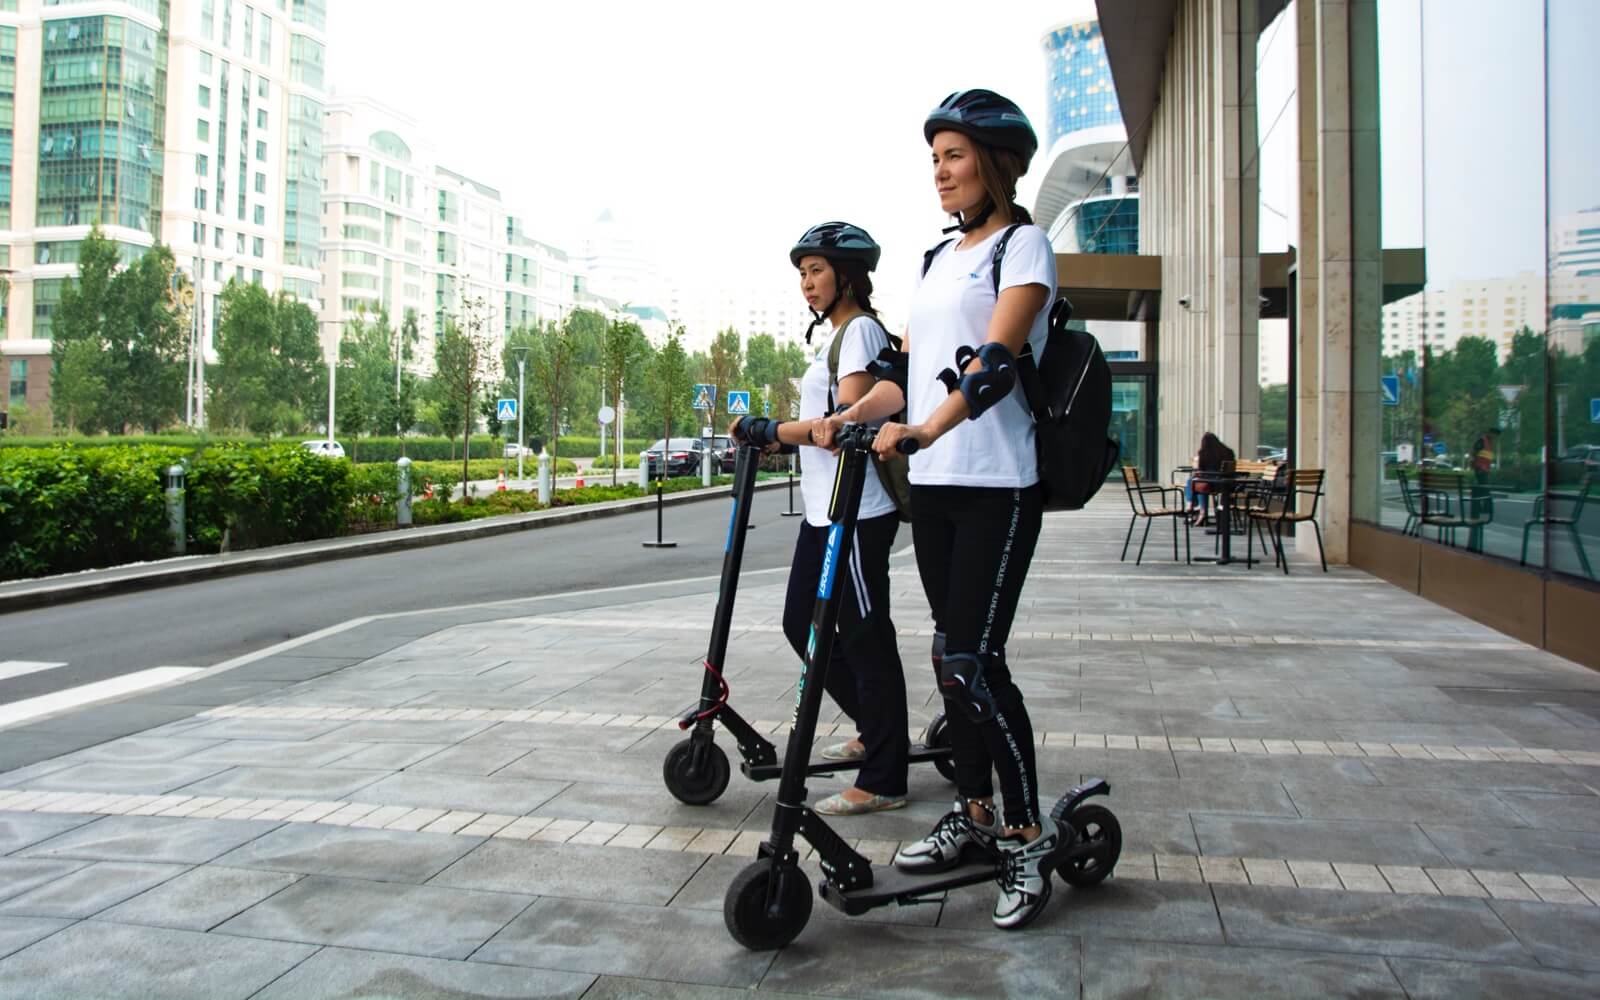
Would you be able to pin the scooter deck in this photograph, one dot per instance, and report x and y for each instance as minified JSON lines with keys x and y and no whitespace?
{"x":920,"y":754}
{"x":891,"y":885}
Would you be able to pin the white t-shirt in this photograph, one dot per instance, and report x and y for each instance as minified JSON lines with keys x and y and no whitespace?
{"x":952,"y":307}
{"x":864,"y":337}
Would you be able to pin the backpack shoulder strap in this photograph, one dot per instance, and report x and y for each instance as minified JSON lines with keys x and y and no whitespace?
{"x":1000,"y":252}
{"x":927,"y":258}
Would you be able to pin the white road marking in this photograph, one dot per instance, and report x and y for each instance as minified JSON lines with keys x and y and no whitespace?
{"x":16,"y":668}
{"x":84,"y":694}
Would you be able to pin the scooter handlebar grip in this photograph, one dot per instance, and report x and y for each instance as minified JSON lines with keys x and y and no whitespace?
{"x":907,"y":446}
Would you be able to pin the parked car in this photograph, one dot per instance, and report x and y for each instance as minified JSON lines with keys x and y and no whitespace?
{"x":682,"y":457}
{"x":511,"y":450}
{"x":327,"y":449}
{"x":1579,"y":461}
{"x":726,"y":451}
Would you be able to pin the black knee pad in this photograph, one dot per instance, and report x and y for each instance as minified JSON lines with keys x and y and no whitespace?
{"x":962,"y":683}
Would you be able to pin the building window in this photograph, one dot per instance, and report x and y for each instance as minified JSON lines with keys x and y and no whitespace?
{"x":260,"y":216}
{"x":202,"y":130}
{"x":266,"y":39}
{"x":205,"y":96}
{"x":205,"y":62}
{"x":202,"y":164}
{"x":263,"y":89}
{"x":261,"y":150}
{"x":261,"y":183}
{"x":200,"y":199}
{"x":258,"y":247}
{"x":255,"y":277}
{"x":261,"y":118}
{"x":19,"y":380}
{"x":208,"y":17}
{"x":239,"y":246}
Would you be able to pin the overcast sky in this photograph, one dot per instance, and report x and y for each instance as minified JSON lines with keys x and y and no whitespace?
{"x":723,"y":130}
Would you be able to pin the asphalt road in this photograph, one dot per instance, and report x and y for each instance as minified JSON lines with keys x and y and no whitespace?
{"x":205,"y":623}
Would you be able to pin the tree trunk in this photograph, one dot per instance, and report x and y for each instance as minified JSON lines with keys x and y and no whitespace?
{"x":466,"y":442}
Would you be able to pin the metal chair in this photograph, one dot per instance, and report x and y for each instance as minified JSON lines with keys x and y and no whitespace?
{"x":1541,"y":515}
{"x":1281,"y":510}
{"x":1139,"y":495}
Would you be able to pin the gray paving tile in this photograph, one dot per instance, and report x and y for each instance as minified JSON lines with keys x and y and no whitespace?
{"x":1368,"y":923}
{"x":1477,"y":774}
{"x":273,"y":753}
{"x":288,"y":667}
{"x":601,"y":740}
{"x":102,"y":960}
{"x":200,"y":898}
{"x":561,"y":764}
{"x":431,"y":921}
{"x":1359,"y":842}
{"x":836,"y":959}
{"x":151,"y":838}
{"x":1246,"y":767}
{"x":626,"y":940}
{"x":132,"y":779}
{"x":144,"y":750}
{"x":623,"y":988}
{"x":1118,"y":908}
{"x":347,"y":974}
{"x":577,"y":871}
{"x":20,"y":829}
{"x":1205,"y":795}
{"x":1556,"y":812}
{"x":1435,"y":980}
{"x":255,"y":729}
{"x":324,"y":784}
{"x":709,"y":887}
{"x":1560,"y":937}
{"x":483,"y":757}
{"x":1556,"y":852}
{"x":1113,"y":970}
{"x":1452,"y":807}
{"x":351,"y":852}
{"x":652,"y":804}
{"x":407,"y":731}
{"x":467,"y":792}
{"x":390,"y":756}
{"x":90,"y":889}
{"x":21,"y":875}
{"x":17,"y":933}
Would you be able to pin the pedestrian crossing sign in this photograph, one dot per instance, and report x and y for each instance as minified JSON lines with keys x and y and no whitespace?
{"x":738,"y":403}
{"x":506,"y":409}
{"x":705,"y":396}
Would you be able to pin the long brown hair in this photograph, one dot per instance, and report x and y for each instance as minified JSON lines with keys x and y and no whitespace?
{"x":998,"y":170}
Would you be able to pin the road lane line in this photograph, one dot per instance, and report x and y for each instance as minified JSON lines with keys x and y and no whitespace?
{"x":84,"y":694}
{"x":17,"y":668}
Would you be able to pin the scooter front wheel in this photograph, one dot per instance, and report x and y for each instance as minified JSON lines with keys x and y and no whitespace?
{"x":746,"y":910}
{"x":1097,"y":827}
{"x":938,"y":738}
{"x":695,"y":784}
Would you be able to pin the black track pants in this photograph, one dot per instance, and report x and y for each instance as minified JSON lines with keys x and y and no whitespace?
{"x":974,"y":545}
{"x":865,"y":676}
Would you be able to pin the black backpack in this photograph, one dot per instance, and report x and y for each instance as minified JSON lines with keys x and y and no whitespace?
{"x":1070,"y":396}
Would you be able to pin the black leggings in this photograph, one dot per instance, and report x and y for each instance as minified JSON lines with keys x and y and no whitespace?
{"x":864,"y":676}
{"x":974,"y":545}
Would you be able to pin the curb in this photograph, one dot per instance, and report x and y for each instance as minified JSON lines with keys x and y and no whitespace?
{"x":169,"y":572}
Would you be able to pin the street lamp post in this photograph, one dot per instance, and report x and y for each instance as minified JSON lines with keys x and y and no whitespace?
{"x":522,"y":356}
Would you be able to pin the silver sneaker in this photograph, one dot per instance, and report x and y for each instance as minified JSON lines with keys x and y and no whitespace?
{"x":1025,"y":876}
{"x":943,"y":847}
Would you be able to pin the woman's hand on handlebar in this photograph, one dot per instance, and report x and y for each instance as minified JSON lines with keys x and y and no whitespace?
{"x":887,"y":442}
{"x":827,"y":428}
{"x":733,"y":431}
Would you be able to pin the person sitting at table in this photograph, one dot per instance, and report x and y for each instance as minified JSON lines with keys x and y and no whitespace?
{"x":1209,"y":458}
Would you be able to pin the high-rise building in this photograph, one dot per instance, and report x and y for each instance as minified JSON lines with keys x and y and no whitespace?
{"x":1088,"y":200}
{"x":406,"y":234}
{"x":196,"y":123}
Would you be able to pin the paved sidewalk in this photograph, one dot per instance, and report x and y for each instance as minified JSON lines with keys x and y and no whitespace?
{"x":1326,"y":786}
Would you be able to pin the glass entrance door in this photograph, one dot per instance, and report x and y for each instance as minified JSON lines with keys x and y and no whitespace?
{"x":1133,"y":417}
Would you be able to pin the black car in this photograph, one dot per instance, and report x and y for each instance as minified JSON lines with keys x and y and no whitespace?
{"x":683,"y":457}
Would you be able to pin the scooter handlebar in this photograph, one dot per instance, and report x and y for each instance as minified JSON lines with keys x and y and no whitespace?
{"x":908,"y":446}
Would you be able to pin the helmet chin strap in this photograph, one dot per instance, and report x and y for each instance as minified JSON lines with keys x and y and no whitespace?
{"x":818,"y":317}
{"x":968,"y":225}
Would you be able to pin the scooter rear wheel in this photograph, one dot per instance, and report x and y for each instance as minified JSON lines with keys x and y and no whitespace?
{"x":691,"y":785}
{"x":938,"y":738}
{"x":751,"y":921}
{"x":1097,"y":826}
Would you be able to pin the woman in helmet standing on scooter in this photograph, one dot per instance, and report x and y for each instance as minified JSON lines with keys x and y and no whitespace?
{"x":975,"y":484}
{"x":865,"y":677}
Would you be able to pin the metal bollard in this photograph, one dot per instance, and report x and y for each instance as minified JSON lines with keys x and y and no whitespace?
{"x":175,"y":527}
{"x":644,"y":474}
{"x":544,"y":477}
{"x":705,"y":463}
{"x":402,"y":502}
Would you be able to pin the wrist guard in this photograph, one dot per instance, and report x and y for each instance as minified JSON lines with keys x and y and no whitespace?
{"x":891,"y":366}
{"x":758,"y":431}
{"x":992,"y":382}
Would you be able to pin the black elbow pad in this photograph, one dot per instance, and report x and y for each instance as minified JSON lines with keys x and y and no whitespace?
{"x":890,"y":366}
{"x":992,"y":382}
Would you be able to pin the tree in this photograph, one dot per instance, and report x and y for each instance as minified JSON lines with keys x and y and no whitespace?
{"x":130,"y":319}
{"x":555,"y":361}
{"x":622,"y":345}
{"x":724,"y":368}
{"x":365,"y":385}
{"x":464,"y":363}
{"x":671,"y":377}
{"x":270,"y":366}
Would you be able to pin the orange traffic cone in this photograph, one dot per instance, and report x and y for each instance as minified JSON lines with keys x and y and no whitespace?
{"x":580,"y":482}
{"x":500,"y":484}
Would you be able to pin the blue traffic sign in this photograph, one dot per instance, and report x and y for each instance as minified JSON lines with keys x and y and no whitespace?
{"x":1594,"y":411}
{"x":705,"y":396}
{"x":506,"y":409}
{"x":1391,"y":390}
{"x":738,"y":402}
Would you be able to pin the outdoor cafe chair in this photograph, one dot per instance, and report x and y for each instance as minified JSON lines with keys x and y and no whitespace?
{"x":1542,"y":515}
{"x":1140,"y":495}
{"x":1450,"y":502}
{"x":1283,"y":507}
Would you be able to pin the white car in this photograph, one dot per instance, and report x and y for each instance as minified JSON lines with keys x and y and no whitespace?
{"x":327,"y":449}
{"x":511,"y":451}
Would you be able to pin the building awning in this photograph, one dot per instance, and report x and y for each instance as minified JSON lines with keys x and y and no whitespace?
{"x":1137,"y":34}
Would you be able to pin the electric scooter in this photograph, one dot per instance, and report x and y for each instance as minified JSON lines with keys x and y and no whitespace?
{"x":696,"y":769}
{"x":769,"y":902}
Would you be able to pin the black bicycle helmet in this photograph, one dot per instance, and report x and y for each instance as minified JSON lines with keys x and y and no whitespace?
{"x":837,"y":241}
{"x":986,"y":117}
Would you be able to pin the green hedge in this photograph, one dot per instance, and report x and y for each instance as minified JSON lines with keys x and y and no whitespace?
{"x":629,"y":461}
{"x":419,"y":449}
{"x":574,"y":446}
{"x":188,"y":442}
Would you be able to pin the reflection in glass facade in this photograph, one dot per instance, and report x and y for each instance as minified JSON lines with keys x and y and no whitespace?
{"x":8,"y":114}
{"x":1081,"y":94}
{"x":1490,"y":422}
{"x":302,"y":200}
{"x":1108,"y":226}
